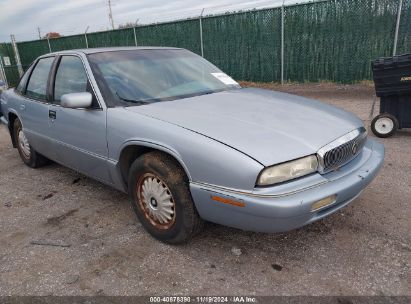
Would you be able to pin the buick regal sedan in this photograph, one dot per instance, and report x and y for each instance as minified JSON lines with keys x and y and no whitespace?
{"x":186,"y":142}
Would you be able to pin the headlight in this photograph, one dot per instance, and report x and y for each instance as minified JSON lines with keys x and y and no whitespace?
{"x":287,"y":171}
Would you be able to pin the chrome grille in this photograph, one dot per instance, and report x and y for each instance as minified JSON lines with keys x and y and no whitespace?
{"x":342,"y":150}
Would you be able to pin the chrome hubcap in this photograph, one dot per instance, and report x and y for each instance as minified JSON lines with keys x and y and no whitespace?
{"x":156,"y":201}
{"x":24,"y":144}
{"x":384,"y":125}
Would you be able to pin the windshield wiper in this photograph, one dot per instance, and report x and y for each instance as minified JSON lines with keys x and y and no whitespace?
{"x":201,"y":93}
{"x":150,"y":100}
{"x":143,"y":101}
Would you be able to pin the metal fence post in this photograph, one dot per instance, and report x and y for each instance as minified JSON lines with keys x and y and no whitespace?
{"x":201,"y":33}
{"x":282,"y":43}
{"x":135,"y":37}
{"x":134,"y":31}
{"x":48,"y":42}
{"x":85,"y":36}
{"x":16,"y":55}
{"x":397,"y":28}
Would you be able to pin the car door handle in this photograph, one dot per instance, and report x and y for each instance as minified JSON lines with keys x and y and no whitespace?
{"x":52,"y":114}
{"x":22,"y":107}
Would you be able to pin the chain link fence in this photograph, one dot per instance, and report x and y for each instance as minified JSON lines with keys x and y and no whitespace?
{"x":332,"y":40}
{"x":8,"y":66}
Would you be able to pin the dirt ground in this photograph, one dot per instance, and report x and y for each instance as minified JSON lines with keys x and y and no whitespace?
{"x":362,"y":250}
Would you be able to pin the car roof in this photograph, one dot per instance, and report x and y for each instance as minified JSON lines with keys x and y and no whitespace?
{"x":111,"y":49}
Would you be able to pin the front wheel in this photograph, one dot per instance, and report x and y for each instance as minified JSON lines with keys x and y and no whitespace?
{"x":27,"y":154}
{"x":384,"y":125}
{"x":161,"y":198}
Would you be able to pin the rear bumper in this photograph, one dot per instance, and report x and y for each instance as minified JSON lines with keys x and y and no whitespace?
{"x":273,"y":212}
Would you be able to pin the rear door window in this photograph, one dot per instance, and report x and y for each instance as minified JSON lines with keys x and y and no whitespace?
{"x":37,"y":86}
{"x":23,"y":82}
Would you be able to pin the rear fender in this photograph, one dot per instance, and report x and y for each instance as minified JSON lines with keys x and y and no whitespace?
{"x":12,"y":116}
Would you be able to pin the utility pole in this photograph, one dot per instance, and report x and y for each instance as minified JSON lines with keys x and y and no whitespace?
{"x":110,"y":14}
{"x":38,"y":28}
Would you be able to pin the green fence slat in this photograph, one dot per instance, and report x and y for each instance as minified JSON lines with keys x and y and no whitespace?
{"x":30,"y":50}
{"x":336,"y":40}
{"x":404,"y":35}
{"x":12,"y":74}
{"x":68,"y":43}
{"x":123,"y":37}
{"x":246,"y":45}
{"x":182,"y":34}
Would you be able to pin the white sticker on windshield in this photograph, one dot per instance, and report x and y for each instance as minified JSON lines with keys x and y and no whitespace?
{"x":224,"y":78}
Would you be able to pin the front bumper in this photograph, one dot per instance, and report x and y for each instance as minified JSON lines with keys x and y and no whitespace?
{"x":270,"y":211}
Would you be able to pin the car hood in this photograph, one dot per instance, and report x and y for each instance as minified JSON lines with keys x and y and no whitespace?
{"x":270,"y":127}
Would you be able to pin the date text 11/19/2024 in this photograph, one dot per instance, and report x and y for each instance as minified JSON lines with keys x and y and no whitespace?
{"x":203,"y":299}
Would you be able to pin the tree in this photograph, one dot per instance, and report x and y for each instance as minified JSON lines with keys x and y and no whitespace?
{"x":52,"y":35}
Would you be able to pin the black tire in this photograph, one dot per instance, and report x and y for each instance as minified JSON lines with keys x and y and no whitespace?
{"x":384,"y":130}
{"x":32,"y":159}
{"x":162,"y":170}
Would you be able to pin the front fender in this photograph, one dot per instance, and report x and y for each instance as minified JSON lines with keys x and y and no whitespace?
{"x":204,"y":159}
{"x":157,"y":146}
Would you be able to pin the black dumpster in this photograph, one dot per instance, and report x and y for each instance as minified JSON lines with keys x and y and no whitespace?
{"x":392,"y":79}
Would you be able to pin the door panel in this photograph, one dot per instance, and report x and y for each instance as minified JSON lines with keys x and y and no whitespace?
{"x":34,"y":109}
{"x":79,"y":134}
{"x":80,"y":139}
{"x":36,"y":128}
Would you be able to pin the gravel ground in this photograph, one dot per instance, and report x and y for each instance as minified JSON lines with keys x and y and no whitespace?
{"x":362,"y":250}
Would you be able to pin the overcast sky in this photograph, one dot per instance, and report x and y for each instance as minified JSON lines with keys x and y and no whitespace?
{"x":68,"y":17}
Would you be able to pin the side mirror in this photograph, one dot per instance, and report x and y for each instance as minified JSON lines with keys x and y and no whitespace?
{"x":76,"y":100}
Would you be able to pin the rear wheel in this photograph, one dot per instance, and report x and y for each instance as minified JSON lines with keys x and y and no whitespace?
{"x":27,"y":154}
{"x":161,"y":198}
{"x":384,"y":125}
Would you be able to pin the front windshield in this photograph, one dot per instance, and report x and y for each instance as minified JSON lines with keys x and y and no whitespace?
{"x":149,"y":75}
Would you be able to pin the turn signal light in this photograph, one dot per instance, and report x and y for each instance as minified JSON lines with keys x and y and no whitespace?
{"x":323,"y":202}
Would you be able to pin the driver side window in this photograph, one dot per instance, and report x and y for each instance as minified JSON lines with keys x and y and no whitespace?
{"x":71,"y":77}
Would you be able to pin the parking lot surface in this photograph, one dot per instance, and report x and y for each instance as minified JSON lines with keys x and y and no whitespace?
{"x":65,"y":234}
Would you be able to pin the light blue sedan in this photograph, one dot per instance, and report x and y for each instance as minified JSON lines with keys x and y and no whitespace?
{"x":187,"y":142}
